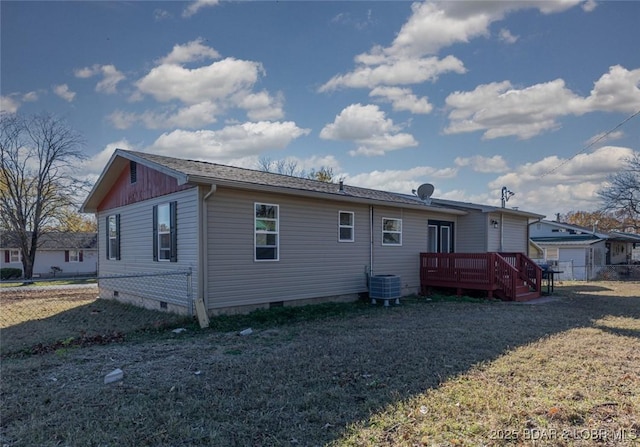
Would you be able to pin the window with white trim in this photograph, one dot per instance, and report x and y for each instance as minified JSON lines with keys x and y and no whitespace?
{"x":165,"y":233}
{"x":552,"y":253}
{"x":74,"y":256}
{"x":391,"y":231}
{"x":15,"y":256}
{"x":113,"y":237}
{"x":346,"y":230}
{"x":267,"y":237}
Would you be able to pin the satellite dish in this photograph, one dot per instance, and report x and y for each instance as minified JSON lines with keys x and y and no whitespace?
{"x":425,"y":190}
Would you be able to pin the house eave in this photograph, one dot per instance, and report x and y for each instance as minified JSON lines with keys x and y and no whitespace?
{"x":338,"y":196}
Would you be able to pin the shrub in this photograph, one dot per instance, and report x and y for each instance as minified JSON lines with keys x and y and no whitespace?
{"x":10,"y":273}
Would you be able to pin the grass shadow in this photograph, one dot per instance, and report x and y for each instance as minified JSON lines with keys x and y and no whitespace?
{"x":98,"y":321}
{"x":301,"y":378}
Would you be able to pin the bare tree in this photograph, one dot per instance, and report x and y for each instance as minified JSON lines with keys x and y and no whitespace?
{"x":290,"y":167}
{"x":621,"y":195}
{"x":37,"y":154}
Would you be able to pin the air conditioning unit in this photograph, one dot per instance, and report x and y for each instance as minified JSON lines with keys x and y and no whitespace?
{"x":385,"y":287}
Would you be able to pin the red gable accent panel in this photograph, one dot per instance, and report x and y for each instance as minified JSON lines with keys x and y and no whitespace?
{"x":149,"y":183}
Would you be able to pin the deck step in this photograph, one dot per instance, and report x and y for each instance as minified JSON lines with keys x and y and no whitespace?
{"x":527,"y":296}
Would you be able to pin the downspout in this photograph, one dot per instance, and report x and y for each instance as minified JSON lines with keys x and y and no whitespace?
{"x":203,"y":277}
{"x":501,"y":232}
{"x":370,"y":245}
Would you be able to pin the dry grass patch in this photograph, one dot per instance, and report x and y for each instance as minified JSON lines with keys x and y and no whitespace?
{"x":424,"y":373}
{"x":51,"y":318}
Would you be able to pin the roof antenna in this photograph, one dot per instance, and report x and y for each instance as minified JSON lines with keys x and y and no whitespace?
{"x":506,"y":195}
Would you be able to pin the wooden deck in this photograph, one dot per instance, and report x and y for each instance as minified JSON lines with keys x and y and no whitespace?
{"x":508,"y":276}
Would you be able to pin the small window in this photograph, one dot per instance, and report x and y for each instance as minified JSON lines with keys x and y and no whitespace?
{"x":165,"y":234}
{"x":266,"y":232}
{"x":552,"y":254}
{"x":74,"y":256}
{"x":346,"y":226}
{"x":133,"y":171}
{"x":391,"y":231}
{"x":14,"y":256}
{"x":113,"y":237}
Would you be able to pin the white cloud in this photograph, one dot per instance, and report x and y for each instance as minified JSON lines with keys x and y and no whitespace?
{"x":197,"y":6}
{"x":215,"y":81}
{"x":506,"y":36}
{"x":403,"y":99}
{"x":204,"y":92}
{"x":189,"y":52}
{"x":110,"y":77}
{"x":589,"y":5}
{"x":604,"y":137}
{"x":229,"y":143}
{"x":63,"y":91}
{"x":369,"y":128}
{"x":161,"y":14}
{"x":483,"y":164}
{"x":432,"y":26}
{"x":191,"y":117}
{"x":616,"y":91}
{"x":568,"y":184}
{"x":8,"y":104}
{"x":30,"y":97}
{"x":402,"y":181}
{"x":500,"y":109}
{"x":395,"y":72}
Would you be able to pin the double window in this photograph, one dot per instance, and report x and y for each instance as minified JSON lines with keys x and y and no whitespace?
{"x":391,"y":231}
{"x":165,"y":234}
{"x":113,"y":237}
{"x":266,"y":229}
{"x":346,"y":226}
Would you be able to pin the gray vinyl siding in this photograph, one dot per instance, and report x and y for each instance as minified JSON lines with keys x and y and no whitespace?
{"x":312,"y":263}
{"x":472,"y":234}
{"x":136,"y":243}
{"x":403,"y":260}
{"x":514,"y":239}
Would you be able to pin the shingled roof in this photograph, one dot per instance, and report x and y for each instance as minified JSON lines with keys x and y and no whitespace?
{"x":202,"y":172}
{"x":55,"y":241}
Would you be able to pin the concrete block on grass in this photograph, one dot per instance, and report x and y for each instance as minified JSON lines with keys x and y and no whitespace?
{"x":114,"y":376}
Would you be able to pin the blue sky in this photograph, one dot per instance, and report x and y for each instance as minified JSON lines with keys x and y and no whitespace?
{"x":468,"y":96}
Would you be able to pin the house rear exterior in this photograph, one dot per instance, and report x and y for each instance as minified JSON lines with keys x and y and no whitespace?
{"x":253,"y":239}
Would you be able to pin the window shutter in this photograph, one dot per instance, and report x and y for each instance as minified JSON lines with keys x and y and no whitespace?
{"x":118,"y":237}
{"x":174,"y":231}
{"x":155,"y":232}
{"x":66,"y":256}
{"x":107,"y":232}
{"x":7,"y":256}
{"x":80,"y":257}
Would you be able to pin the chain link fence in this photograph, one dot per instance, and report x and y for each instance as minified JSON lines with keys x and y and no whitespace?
{"x":42,"y":318}
{"x":628,"y":272}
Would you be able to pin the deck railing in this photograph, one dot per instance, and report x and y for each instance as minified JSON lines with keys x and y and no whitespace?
{"x":492,"y":272}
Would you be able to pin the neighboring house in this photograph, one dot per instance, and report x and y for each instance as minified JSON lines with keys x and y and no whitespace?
{"x":254,"y":239}
{"x":58,"y":254}
{"x":579,"y":252}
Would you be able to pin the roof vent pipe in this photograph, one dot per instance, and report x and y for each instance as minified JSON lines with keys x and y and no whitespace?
{"x":341,"y":186}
